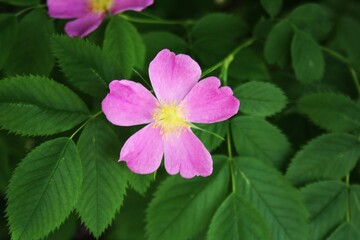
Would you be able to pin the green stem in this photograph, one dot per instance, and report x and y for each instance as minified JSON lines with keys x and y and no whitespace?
{"x":156,"y":21}
{"x":28,"y":9}
{"x":245,"y":44}
{"x":92,"y":117}
{"x":346,"y":61}
{"x":231,"y":161}
{"x":355,"y":78}
{"x":142,"y":78}
{"x":347,"y":182}
{"x":207,"y":131}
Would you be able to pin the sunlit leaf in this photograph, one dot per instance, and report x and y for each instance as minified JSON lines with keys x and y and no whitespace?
{"x":104,"y":183}
{"x":237,"y":219}
{"x":260,"y":99}
{"x":326,"y":202}
{"x":39,"y":106}
{"x":44,"y":189}
{"x":272,"y":195}
{"x":329,"y":156}
{"x":183,"y":207}
{"x":331,"y":111}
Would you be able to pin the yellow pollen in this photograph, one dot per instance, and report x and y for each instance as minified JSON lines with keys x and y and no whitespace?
{"x":99,"y":6}
{"x":170,"y":118}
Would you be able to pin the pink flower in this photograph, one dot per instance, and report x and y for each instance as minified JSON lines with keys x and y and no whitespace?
{"x":181,"y":99}
{"x":89,"y":14}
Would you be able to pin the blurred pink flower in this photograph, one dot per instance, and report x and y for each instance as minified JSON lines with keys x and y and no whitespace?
{"x":89,"y":14}
{"x":180,"y":100}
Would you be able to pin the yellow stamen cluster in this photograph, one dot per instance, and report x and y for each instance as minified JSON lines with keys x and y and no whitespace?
{"x":171,"y":118}
{"x":99,"y":6}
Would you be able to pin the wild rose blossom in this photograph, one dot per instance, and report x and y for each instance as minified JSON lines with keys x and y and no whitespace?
{"x":181,"y":99}
{"x":89,"y":14}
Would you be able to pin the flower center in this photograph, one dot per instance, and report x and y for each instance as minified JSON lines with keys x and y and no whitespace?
{"x":170,"y":117}
{"x":99,"y":6}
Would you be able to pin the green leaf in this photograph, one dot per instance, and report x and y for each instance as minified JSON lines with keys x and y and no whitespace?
{"x":329,"y":156}
{"x":104,"y":183}
{"x":278,"y":43}
{"x":255,"y":137}
{"x":237,"y":219}
{"x":216,"y":30}
{"x":346,"y":231}
{"x":260,"y":99}
{"x":312,"y":18}
{"x":21,"y":2}
{"x":139,"y":182}
{"x":31,"y":50}
{"x":38,"y":106}
{"x":159,"y":40}
{"x":331,"y":111}
{"x":307,"y":58}
{"x":123,"y":43}
{"x":39,"y":201}
{"x":326,"y":202}
{"x":247,"y":65}
{"x":272,"y":195}
{"x":182,"y":207}
{"x":8,"y":31}
{"x":354,"y":205}
{"x":272,"y":7}
{"x":85,"y":65}
{"x":211,"y":142}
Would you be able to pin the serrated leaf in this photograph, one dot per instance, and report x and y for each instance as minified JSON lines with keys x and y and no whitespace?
{"x":139,"y":182}
{"x":346,"y":231}
{"x":272,"y":195}
{"x":329,"y":156}
{"x":104,"y":183}
{"x":38,"y":106}
{"x":31,"y":50}
{"x":237,"y":219}
{"x":277,"y":45}
{"x":123,"y":42}
{"x":260,"y":99}
{"x":8,"y":31}
{"x":182,"y":207}
{"x":43,"y":189}
{"x":255,"y":137}
{"x":312,"y":18}
{"x":159,"y":40}
{"x":247,"y":65}
{"x":354,"y":205}
{"x":85,"y":65}
{"x":211,"y":142}
{"x":272,"y":7}
{"x":331,"y":111}
{"x":307,"y":58}
{"x":326,"y":202}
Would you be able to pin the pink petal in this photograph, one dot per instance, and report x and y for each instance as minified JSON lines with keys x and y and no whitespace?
{"x":67,"y":8}
{"x":187,"y":154}
{"x":124,"y":5}
{"x":84,"y":25}
{"x":143,"y":151}
{"x":207,"y":103}
{"x":172,"y":76}
{"x":128,"y":103}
